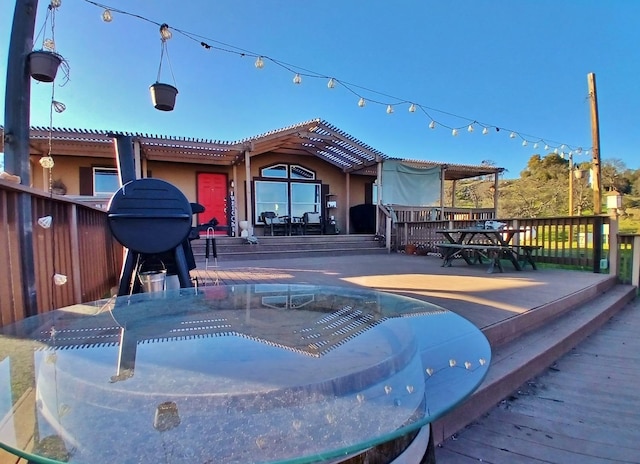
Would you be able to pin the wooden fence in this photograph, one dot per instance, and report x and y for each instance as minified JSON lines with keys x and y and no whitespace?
{"x":77,"y":247}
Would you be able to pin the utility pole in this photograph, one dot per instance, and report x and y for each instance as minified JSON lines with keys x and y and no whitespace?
{"x":16,"y":136}
{"x":595,"y":140}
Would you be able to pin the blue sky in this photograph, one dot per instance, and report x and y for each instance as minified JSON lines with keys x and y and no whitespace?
{"x":518,"y":65}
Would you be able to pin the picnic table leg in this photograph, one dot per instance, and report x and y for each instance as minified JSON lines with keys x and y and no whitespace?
{"x":528,"y":258}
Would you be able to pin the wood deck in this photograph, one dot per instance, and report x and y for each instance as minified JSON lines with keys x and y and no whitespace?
{"x":584,"y":409}
{"x":484,"y":299}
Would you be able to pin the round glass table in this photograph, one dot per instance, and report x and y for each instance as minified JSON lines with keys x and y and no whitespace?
{"x":232,"y":375}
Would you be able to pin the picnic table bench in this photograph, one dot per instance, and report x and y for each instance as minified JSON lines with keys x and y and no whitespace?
{"x":474,"y":244}
{"x":493,"y":253}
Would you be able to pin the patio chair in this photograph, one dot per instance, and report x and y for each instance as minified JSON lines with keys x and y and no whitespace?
{"x":273,"y":223}
{"x":312,"y":223}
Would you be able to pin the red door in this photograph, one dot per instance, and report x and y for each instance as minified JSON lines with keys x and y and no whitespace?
{"x":212,"y":194}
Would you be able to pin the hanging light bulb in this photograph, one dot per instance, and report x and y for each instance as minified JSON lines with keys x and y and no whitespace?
{"x":586,"y":153}
{"x":579,"y":150}
{"x":389,"y":109}
{"x":412,"y":108}
{"x":432,"y":125}
{"x":525,"y":143}
{"x":45,"y":222}
{"x":454,"y":132}
{"x":332,"y":83}
{"x":59,"y":279}
{"x":562,"y":147}
{"x":452,"y":363}
{"x":106,"y":16}
{"x":165,"y":32}
{"x":297,"y":79}
{"x":46,"y":162}
{"x":555,"y":151}
{"x":546,"y":147}
{"x":49,"y":44}
{"x":56,"y":3}
{"x":562,"y":155}
{"x":535,"y":145}
{"x":512,"y":135}
{"x":470,"y":128}
{"x":361,"y":102}
{"x":485,"y":131}
{"x":58,"y":107}
{"x":259,"y":63}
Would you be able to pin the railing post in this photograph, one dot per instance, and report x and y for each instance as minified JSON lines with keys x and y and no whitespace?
{"x":635,"y":262}
{"x":613,"y":244}
{"x":597,"y":243}
{"x":76,"y":275}
{"x":387,"y":234}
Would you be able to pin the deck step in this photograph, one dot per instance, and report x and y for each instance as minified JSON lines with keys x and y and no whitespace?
{"x":518,"y":359}
{"x":268,"y":247}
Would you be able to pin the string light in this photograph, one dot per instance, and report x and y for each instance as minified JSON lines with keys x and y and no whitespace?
{"x":470,"y":128}
{"x":55,"y":3}
{"x":524,"y":143}
{"x":454,"y":132}
{"x":45,"y":222}
{"x":58,"y":107}
{"x":389,"y":109}
{"x":166,"y":34}
{"x":47,"y":162}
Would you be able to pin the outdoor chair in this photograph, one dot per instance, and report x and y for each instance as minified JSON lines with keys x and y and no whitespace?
{"x":312,"y":223}
{"x":273,"y":224}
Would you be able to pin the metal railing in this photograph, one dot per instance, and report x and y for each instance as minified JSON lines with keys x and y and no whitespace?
{"x":77,"y":247}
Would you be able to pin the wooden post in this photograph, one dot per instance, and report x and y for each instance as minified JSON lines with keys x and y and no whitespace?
{"x":16,"y":136}
{"x":595,"y":140}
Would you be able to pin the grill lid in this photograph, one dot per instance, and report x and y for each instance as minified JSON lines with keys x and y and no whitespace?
{"x":149,"y":216}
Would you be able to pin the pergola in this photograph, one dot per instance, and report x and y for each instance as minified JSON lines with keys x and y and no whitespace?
{"x":311,"y":138}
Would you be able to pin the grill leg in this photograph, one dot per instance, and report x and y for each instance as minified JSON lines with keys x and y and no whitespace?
{"x":182,"y":269}
{"x":126,"y":275}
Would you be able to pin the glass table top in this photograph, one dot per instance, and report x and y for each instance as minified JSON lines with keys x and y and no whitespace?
{"x":232,"y":374}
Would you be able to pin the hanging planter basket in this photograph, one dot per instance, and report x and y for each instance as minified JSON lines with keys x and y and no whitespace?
{"x":43,"y":65}
{"x":163,"y":96}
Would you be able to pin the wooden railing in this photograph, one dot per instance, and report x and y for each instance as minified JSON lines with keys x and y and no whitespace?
{"x":78,"y":245}
{"x":577,"y":242}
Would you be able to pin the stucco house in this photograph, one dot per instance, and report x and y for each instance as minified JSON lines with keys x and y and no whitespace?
{"x":308,"y":167}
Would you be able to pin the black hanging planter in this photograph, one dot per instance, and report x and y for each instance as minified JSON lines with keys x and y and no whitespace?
{"x":163,"y":96}
{"x":43,"y":65}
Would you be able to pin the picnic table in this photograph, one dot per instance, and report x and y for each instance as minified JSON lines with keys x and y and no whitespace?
{"x":475,"y":243}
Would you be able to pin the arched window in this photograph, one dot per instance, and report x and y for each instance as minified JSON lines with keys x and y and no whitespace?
{"x":287,"y":190}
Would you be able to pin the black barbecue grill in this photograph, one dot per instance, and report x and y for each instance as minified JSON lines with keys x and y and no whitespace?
{"x":151,"y":217}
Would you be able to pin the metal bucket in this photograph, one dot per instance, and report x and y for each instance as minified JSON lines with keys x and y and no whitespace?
{"x":153,"y":281}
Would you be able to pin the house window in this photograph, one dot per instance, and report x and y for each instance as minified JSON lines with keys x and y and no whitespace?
{"x":105,"y":181}
{"x":294,"y":193}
